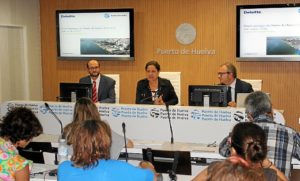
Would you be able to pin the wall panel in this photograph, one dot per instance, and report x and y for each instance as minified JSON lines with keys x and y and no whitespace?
{"x":155,"y":25}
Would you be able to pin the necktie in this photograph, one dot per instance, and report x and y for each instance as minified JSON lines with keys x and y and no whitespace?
{"x":229,"y":94}
{"x":94,"y":97}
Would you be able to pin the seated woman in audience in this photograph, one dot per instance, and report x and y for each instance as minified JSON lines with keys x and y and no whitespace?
{"x":85,"y":109}
{"x":18,"y":128}
{"x":90,"y":160}
{"x":153,"y":89}
{"x":233,"y":171}
{"x":248,"y":146}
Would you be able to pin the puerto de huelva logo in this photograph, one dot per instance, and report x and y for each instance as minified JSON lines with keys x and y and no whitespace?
{"x":239,"y":116}
{"x":43,"y":109}
{"x":154,"y":113}
{"x":115,"y":111}
{"x":196,"y":114}
{"x":106,"y":15}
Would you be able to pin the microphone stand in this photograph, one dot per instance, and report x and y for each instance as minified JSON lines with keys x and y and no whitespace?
{"x":61,"y":128}
{"x":172,"y":173}
{"x":51,"y":111}
{"x":126,"y":152}
{"x":169,"y":118}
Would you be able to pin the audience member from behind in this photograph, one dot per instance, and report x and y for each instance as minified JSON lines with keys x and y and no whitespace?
{"x":249,"y":147}
{"x":283,"y":142}
{"x":153,"y":89}
{"x":103,"y":86}
{"x":227,"y":75}
{"x":18,"y":128}
{"x":90,"y":160}
{"x":233,"y":171}
{"x":85,"y":109}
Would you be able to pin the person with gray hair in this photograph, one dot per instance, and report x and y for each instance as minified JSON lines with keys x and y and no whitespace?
{"x":258,"y":104}
{"x":283,"y":142}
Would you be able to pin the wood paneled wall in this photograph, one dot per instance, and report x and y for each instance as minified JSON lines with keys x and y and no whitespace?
{"x":155,"y":25}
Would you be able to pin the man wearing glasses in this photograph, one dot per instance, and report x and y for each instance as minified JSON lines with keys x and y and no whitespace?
{"x":103,"y":86}
{"x":227,"y":75}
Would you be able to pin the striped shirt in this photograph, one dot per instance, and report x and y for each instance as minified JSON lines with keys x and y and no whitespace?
{"x":283,"y":144}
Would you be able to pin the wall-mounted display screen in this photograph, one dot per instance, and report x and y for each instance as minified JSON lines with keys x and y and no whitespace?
{"x":105,"y":34}
{"x":268,"y":32}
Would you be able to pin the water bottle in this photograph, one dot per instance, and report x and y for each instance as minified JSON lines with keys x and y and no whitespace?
{"x":73,"y":97}
{"x":62,"y":150}
{"x":206,"y":101}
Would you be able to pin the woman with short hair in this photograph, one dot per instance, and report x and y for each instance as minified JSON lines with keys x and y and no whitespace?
{"x":154,"y":89}
{"x":18,"y":128}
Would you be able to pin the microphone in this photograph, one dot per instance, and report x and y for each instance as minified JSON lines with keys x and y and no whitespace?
{"x":126,"y":152}
{"x":172,"y":173}
{"x":171,"y":129}
{"x":145,"y":99}
{"x":156,"y":95}
{"x":51,"y":111}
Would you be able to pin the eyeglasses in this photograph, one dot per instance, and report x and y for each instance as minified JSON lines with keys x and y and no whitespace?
{"x":222,"y":73}
{"x":93,"y":68}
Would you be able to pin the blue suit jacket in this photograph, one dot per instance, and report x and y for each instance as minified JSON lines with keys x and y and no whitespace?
{"x":106,"y":89}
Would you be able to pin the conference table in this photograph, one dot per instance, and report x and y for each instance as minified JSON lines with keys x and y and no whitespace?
{"x":147,"y":122}
{"x":196,"y":129}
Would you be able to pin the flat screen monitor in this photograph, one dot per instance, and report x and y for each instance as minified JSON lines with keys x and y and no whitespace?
{"x":74,"y":91}
{"x":106,"y":34}
{"x":217,"y":95}
{"x":269,"y":32}
{"x":164,"y":161}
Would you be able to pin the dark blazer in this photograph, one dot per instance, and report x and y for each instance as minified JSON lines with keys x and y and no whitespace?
{"x":106,"y":89}
{"x":242,"y":87}
{"x":165,"y":88}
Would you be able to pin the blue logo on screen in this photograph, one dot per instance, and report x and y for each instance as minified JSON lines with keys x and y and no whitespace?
{"x":106,"y":15}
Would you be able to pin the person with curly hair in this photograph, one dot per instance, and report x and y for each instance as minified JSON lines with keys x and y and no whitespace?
{"x":91,"y":158}
{"x":18,"y":128}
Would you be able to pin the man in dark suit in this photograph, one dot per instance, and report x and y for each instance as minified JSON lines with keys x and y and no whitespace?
{"x":227,"y":75}
{"x":103,"y":86}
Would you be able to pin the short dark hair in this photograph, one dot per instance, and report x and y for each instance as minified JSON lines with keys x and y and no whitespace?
{"x":249,"y":141}
{"x":154,"y":63}
{"x":87,"y":64}
{"x":258,"y":103}
{"x":91,"y":142}
{"x":20,"y":124}
{"x":230,"y":68}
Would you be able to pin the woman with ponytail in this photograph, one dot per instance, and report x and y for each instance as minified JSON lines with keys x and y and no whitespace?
{"x":248,"y":158}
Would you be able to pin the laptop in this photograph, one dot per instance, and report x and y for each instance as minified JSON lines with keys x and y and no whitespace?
{"x":240,"y":99}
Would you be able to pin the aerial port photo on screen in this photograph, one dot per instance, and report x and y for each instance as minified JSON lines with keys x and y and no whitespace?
{"x":105,"y":46}
{"x":283,"y":45}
